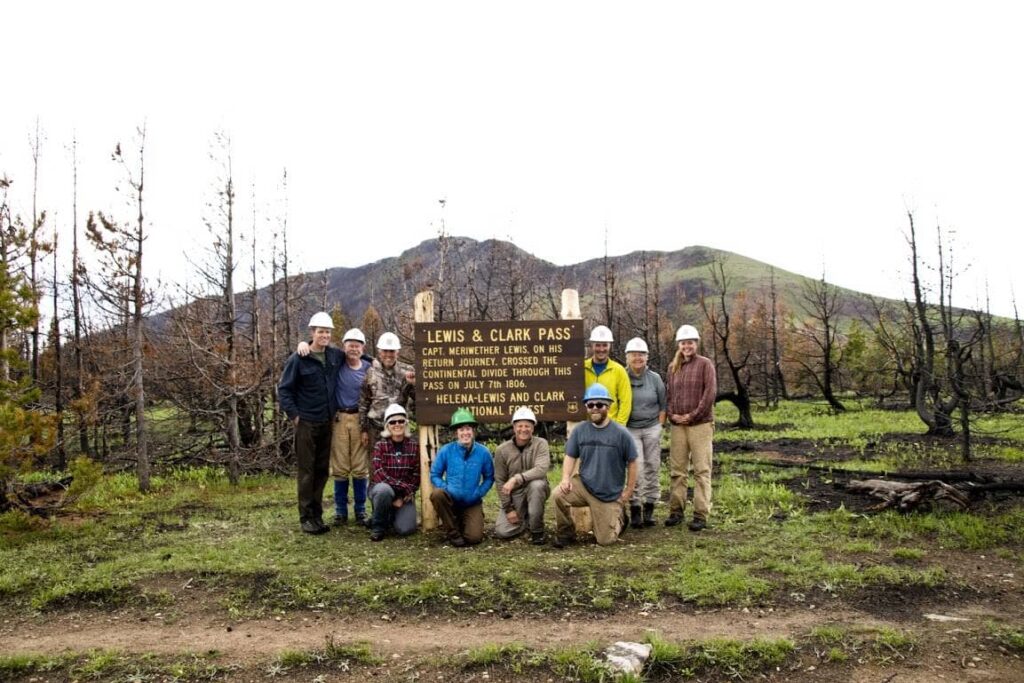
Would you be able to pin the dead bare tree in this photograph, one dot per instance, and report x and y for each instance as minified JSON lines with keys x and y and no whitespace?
{"x":778,"y":379}
{"x":121,"y":248}
{"x":893,"y":331}
{"x":80,"y":404}
{"x":36,"y":248}
{"x":718,"y":316}
{"x":56,"y":345}
{"x":822,"y":355}
{"x":222,"y":278}
{"x":255,"y":410}
{"x":518,"y":292}
{"x":934,"y":409}
{"x":609,"y":289}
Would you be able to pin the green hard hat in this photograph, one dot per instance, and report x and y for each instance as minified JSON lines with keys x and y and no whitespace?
{"x":462,"y":416}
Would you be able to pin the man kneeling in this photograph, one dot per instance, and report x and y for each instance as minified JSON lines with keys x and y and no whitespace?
{"x":599,"y":472}
{"x":521,"y":475}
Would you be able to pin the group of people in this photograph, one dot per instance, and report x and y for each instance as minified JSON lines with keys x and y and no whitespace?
{"x":341,"y":403}
{"x":351,"y":422}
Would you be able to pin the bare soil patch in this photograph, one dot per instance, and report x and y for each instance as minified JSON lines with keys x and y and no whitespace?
{"x":426,"y":648}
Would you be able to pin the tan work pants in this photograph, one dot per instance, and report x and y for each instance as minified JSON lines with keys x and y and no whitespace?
{"x":690,"y":446}
{"x":348,"y":454}
{"x":607,"y":517}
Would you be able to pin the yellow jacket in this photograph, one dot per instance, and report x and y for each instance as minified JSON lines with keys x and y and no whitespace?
{"x":616,"y":380}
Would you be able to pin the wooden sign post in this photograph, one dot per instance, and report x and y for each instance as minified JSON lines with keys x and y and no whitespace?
{"x":571,"y":311}
{"x":429,"y":436}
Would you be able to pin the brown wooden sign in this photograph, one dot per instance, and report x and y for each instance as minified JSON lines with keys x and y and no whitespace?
{"x":492,"y":368}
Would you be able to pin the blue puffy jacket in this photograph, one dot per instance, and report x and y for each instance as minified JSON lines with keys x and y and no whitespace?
{"x":467,"y":476}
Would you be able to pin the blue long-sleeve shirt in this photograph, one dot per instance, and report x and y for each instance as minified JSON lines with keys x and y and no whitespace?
{"x":466,"y":474}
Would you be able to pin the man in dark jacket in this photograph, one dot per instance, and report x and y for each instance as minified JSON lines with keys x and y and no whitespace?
{"x":306,"y":393}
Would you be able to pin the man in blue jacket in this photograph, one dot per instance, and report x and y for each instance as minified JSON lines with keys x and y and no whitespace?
{"x":306,"y":394}
{"x":462,"y":474}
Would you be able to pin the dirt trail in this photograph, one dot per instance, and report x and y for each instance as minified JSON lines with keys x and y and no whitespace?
{"x":304,"y":631}
{"x":959,"y":650}
{"x":952,"y":651}
{"x":264,"y":638}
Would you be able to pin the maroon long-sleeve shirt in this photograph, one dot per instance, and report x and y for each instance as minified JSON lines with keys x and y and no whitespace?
{"x":397,"y":465}
{"x":692,"y":389}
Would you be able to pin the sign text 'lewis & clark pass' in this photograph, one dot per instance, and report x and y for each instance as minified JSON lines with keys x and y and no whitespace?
{"x":494,"y":367}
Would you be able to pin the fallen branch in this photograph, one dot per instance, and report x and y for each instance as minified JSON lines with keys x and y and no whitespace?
{"x":40,"y":498}
{"x":907,"y":496}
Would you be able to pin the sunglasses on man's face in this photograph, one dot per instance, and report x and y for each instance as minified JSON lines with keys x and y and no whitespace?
{"x":396,"y":422}
{"x":594,"y":405}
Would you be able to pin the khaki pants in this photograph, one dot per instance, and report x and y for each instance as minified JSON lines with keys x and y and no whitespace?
{"x":456,"y":520}
{"x":348,"y":454}
{"x":690,"y":446}
{"x":607,"y":517}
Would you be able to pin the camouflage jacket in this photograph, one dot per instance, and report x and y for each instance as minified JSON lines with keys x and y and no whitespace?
{"x":381,"y":388}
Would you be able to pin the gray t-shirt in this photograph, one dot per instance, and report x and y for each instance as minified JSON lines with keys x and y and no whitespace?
{"x":648,"y":399}
{"x":603,"y":454}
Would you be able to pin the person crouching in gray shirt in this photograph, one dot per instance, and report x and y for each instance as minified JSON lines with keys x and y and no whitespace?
{"x":521,"y":475}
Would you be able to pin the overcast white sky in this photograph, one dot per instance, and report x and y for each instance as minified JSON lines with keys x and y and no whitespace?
{"x":797,"y":133}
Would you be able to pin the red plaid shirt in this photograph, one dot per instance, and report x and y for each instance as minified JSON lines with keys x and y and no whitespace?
{"x":397,"y":465}
{"x":692,"y":389}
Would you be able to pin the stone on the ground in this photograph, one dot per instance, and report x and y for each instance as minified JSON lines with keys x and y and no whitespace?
{"x":627,"y":657}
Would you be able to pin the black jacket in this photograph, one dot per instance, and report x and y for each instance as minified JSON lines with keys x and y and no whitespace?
{"x":306,"y":388}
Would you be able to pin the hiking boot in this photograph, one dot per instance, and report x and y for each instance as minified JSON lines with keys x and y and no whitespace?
{"x":562,"y":541}
{"x":697,"y":524}
{"x":457,"y":541}
{"x":362,"y":519}
{"x":537,"y":538}
{"x":674,"y":519}
{"x":340,"y":520}
{"x":636,"y":517}
{"x":376,"y":535}
{"x":310,"y":526}
{"x":648,"y":514}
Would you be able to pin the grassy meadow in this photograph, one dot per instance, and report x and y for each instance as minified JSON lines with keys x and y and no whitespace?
{"x":196,"y":544}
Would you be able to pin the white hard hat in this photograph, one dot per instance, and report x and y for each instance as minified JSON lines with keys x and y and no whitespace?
{"x":321,"y":319}
{"x":392,"y":410}
{"x":524,"y":413}
{"x":355,"y":334}
{"x":389,"y":342}
{"x":601,"y":334}
{"x":687,"y":332}
{"x":636,"y":344}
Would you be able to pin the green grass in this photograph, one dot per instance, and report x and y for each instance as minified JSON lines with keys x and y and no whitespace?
{"x":242,"y":547}
{"x":718,"y":658}
{"x":105,"y":665}
{"x":838,"y":643}
{"x":239,"y":549}
{"x":1010,"y":637}
{"x":865,"y":429}
{"x":908,"y":554}
{"x":332,"y":655}
{"x":856,"y":428}
{"x":731,"y":658}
